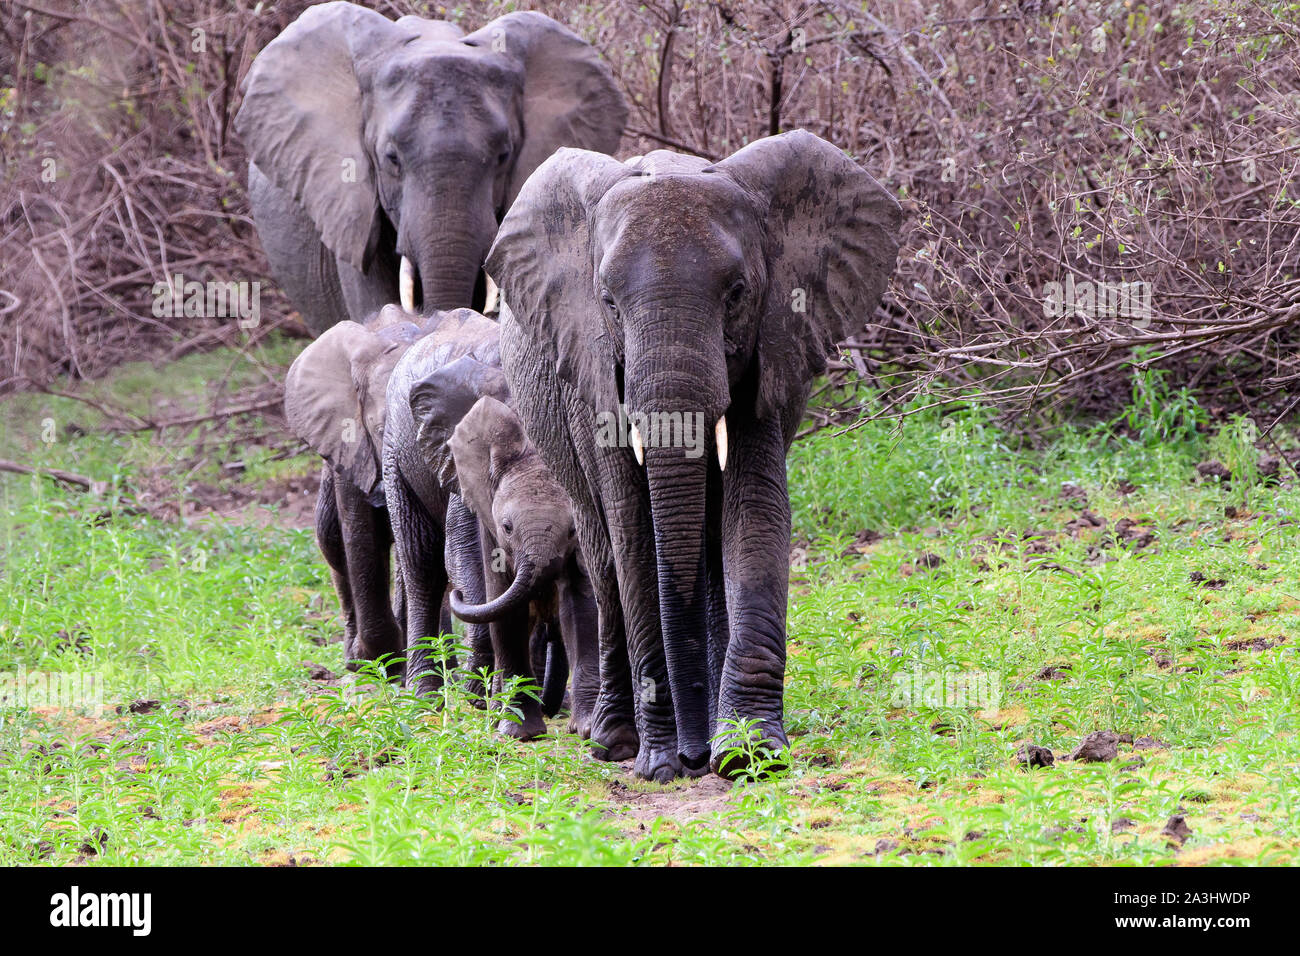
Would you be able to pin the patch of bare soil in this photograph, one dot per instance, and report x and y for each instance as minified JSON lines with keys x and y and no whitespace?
{"x":688,"y":800}
{"x":284,"y":504}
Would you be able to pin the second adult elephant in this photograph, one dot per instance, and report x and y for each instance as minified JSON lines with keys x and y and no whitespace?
{"x":384,"y":153}
{"x":695,"y":301}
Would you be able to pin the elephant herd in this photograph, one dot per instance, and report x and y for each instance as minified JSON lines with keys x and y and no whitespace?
{"x":593,"y":481}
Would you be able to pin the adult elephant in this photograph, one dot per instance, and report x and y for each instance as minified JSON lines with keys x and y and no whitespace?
{"x":679,"y":290}
{"x":383,"y":154}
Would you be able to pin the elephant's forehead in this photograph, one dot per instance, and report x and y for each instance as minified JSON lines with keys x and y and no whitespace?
{"x":434,"y":60}
{"x":666,"y":162}
{"x":448,"y":66}
{"x":694,"y":209}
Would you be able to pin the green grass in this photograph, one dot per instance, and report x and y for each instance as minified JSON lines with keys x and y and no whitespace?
{"x":968,"y":574}
{"x":58,"y":432}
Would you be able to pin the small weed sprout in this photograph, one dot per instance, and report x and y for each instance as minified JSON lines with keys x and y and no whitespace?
{"x":748,"y":757}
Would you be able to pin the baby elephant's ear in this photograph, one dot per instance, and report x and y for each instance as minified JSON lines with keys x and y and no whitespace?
{"x":334,"y":398}
{"x":486,"y":441}
{"x":438,"y":403}
{"x":833,"y":241}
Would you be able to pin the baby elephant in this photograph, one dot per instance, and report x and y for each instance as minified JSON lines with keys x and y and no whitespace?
{"x":528,"y":543}
{"x":472,"y":503}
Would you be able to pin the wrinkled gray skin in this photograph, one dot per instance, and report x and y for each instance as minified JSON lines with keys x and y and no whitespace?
{"x":473,"y":504}
{"x":678,"y":286}
{"x":371,"y":139}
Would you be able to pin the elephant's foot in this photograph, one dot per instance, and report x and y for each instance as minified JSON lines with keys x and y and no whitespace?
{"x":734,"y":758}
{"x":580,"y":724}
{"x":614,"y":736}
{"x":362,"y":648}
{"x":476,"y":693}
{"x":664,"y":764}
{"x":527,"y":727}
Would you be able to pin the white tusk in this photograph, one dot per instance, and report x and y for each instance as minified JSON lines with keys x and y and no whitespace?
{"x":720,"y":435}
{"x":637,"y":448}
{"x":493,"y":293}
{"x":406,"y":284}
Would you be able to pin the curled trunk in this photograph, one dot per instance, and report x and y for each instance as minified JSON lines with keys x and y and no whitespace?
{"x":519,"y":592}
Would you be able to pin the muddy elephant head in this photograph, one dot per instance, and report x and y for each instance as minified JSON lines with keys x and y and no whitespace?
{"x":698,"y":301}
{"x":487,"y":459}
{"x":413,"y":135}
{"x":334,"y":394}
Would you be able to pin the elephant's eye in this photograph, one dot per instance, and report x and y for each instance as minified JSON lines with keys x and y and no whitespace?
{"x":735,"y":295}
{"x":503,"y":158}
{"x":508,"y":527}
{"x":392,"y":160}
{"x":607,"y":299}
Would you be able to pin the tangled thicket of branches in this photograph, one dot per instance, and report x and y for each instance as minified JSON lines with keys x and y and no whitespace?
{"x":1038,"y":143}
{"x":120,"y":170}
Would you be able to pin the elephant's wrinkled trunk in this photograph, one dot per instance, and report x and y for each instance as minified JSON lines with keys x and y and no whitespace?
{"x":519,"y":592}
{"x":448,"y":277}
{"x":675,"y":377}
{"x":446,"y":234}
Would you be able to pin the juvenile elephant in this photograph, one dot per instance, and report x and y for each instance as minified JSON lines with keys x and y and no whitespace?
{"x":335,"y":401}
{"x":472,"y":503}
{"x":696,"y":301}
{"x":384,"y":153}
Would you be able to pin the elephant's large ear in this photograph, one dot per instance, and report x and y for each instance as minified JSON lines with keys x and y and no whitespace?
{"x":438,"y":403}
{"x":570,"y":97}
{"x":301,"y":121}
{"x":486,"y":440}
{"x":833,"y":242}
{"x":334,"y":396}
{"x":543,"y":262}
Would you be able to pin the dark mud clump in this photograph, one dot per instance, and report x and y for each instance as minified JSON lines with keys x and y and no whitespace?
{"x":1098,"y":747}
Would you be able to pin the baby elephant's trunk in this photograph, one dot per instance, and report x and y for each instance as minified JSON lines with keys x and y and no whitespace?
{"x":519,"y":592}
{"x":551,"y":664}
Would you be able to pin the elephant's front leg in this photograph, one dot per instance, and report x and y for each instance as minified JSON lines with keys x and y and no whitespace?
{"x":513,"y":662}
{"x":756,"y":566}
{"x":579,"y":628}
{"x":465,"y":571}
{"x":633,"y":543}
{"x":329,"y":536}
{"x":419,"y":544}
{"x":366,"y":537}
{"x":613,"y":720}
